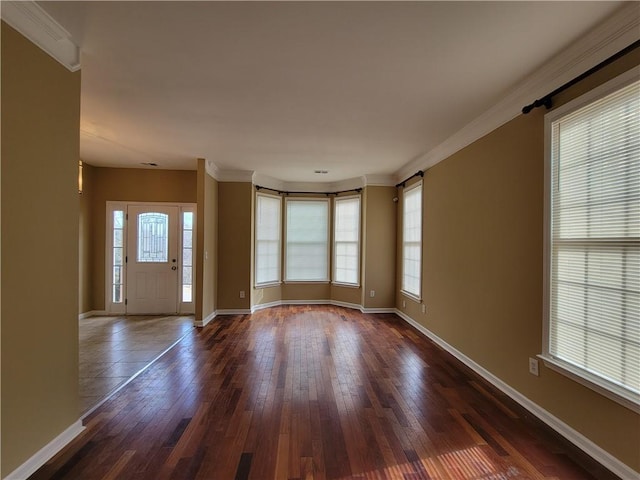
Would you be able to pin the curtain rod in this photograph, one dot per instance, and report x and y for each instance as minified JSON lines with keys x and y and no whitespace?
{"x":419,"y":173}
{"x":285,"y":192}
{"x":547,"y":99}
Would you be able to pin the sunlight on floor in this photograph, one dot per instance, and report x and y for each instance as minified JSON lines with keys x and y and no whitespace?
{"x":468,"y":464}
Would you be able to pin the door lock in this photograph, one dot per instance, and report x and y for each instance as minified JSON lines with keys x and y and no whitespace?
{"x":174,"y":268}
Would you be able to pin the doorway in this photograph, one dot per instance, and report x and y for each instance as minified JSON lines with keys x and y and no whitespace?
{"x":149,"y":258}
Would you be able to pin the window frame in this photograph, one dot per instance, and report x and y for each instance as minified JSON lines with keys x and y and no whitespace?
{"x":415,"y":296}
{"x":358,"y":242}
{"x":285,"y":242}
{"x":280,"y":243}
{"x":609,"y":389}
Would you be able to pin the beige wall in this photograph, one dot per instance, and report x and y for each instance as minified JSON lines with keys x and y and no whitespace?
{"x":85,"y":239}
{"x":207,"y":243}
{"x":379,"y":246}
{"x":39,"y":252}
{"x":234,"y":245}
{"x":482,"y":271}
{"x":131,"y":185}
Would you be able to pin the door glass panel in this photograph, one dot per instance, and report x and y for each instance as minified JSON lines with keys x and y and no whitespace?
{"x":118,"y":260}
{"x":153,"y":237}
{"x":187,"y":257}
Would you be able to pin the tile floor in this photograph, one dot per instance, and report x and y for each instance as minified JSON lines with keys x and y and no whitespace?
{"x":113,"y":349}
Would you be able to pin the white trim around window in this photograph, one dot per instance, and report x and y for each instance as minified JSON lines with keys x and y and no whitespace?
{"x":346,"y":240}
{"x":412,"y":241}
{"x":592,"y":240}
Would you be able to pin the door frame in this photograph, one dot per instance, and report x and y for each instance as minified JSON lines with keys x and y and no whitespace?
{"x":111,"y":307}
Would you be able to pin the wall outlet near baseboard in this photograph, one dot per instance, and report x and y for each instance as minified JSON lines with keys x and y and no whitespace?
{"x":372,"y":293}
{"x":424,"y":308}
{"x":533,"y":367}
{"x":241,"y":293}
{"x":404,"y":304}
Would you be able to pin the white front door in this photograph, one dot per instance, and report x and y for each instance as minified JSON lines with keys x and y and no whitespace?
{"x":152,"y":260}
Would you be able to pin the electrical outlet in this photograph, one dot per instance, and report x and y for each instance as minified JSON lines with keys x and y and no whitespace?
{"x":404,"y":304}
{"x":241,"y":293}
{"x":372,"y":293}
{"x":533,"y":367}
{"x":424,"y":308}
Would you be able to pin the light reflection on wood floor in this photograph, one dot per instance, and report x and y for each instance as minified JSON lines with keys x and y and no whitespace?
{"x":313,"y":392}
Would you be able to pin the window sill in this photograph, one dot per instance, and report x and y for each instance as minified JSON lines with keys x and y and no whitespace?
{"x":610,"y":390}
{"x":411,"y":296}
{"x":306,"y":282}
{"x":259,"y":286}
{"x":347,"y":285}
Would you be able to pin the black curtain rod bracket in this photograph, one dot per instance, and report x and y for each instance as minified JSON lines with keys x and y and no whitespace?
{"x":402,"y":184}
{"x":547,"y":100}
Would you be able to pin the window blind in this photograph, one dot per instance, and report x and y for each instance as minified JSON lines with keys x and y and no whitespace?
{"x":412,"y":240}
{"x":307,"y":242}
{"x":594,"y":306}
{"x":347,"y":240}
{"x":267,"y":239}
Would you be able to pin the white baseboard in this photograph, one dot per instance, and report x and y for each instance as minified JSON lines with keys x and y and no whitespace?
{"x":337,"y":303}
{"x":353,"y":306}
{"x":206,"y":320}
{"x":43,"y":455}
{"x":575,"y":437}
{"x":234,"y":311}
{"x":306,"y":302}
{"x":92,"y":313}
{"x":262,"y":306}
{"x":377,"y":310}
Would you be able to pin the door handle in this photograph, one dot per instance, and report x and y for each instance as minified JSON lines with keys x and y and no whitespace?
{"x":174,"y":268}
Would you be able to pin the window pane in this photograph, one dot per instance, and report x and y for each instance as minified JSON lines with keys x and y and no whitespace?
{"x":187,"y":294}
{"x":117,"y":294}
{"x":412,"y":240}
{"x":594,"y":308}
{"x":117,"y":279}
{"x":187,"y":220}
{"x":117,"y":238}
{"x":118,"y":219}
{"x":186,"y":276}
{"x":153,"y":238}
{"x":346,"y":240}
{"x":187,"y":257}
{"x":267,"y":246}
{"x":307,"y":243}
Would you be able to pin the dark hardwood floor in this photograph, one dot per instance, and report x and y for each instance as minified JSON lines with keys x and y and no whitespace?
{"x":313,"y":392}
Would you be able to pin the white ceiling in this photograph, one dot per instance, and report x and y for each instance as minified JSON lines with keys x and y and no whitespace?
{"x":286,"y":88}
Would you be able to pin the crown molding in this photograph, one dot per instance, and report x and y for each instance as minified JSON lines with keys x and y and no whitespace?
{"x":212,"y":169}
{"x":269,"y":182}
{"x":379,"y":180}
{"x":235,"y":176}
{"x":273,"y":183}
{"x":617,"y":32}
{"x":28,"y":18}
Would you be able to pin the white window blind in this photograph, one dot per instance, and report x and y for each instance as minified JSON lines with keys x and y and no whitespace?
{"x":267,"y":239}
{"x":412,"y":240}
{"x":346,"y":246}
{"x":307,"y":242}
{"x":594,"y":254}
